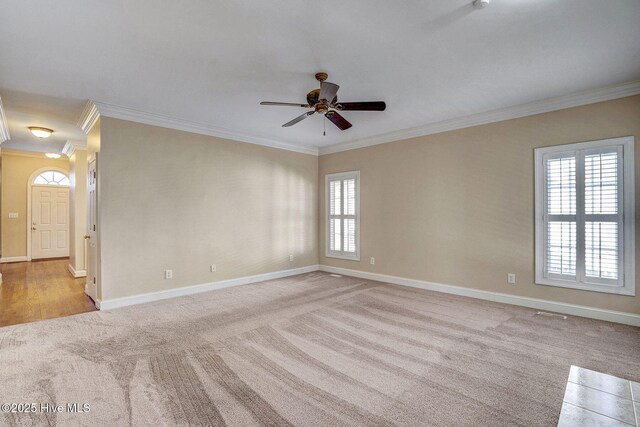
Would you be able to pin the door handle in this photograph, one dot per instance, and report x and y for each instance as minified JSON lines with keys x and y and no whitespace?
{"x":87,"y":236}
{"x":33,"y":228}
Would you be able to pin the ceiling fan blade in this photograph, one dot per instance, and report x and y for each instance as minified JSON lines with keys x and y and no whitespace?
{"x":338,"y":120}
{"x":328,"y":91}
{"x":284,"y":104}
{"x":298,"y":119}
{"x":361,"y":106}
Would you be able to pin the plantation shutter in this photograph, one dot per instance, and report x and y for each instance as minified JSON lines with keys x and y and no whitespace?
{"x":603,"y":215}
{"x":335,"y":215}
{"x":560,"y":216}
{"x":583,"y":216}
{"x":342,"y":219}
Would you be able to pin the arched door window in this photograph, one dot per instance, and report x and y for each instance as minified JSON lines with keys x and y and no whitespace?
{"x":51,"y":178}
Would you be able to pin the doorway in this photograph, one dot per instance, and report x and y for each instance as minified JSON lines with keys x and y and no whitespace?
{"x":43,"y":288}
{"x":48,"y":215}
{"x":91,"y":238}
{"x":49,"y":222}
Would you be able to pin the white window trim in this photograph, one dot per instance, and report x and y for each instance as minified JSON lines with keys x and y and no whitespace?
{"x":335,"y":254}
{"x":628,"y":235}
{"x":48,"y":184}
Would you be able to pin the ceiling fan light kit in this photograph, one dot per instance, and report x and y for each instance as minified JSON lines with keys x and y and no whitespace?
{"x":325,"y":101}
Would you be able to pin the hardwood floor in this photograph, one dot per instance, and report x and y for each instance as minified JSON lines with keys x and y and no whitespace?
{"x":40,"y":290}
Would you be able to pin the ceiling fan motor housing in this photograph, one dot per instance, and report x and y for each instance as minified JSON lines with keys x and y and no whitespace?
{"x":313,"y":98}
{"x":322,"y":106}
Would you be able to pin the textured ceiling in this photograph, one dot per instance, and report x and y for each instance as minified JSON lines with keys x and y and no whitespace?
{"x":212,"y":62}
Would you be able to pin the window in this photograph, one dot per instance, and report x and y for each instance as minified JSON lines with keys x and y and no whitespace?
{"x":51,"y":178}
{"x":343,"y":215}
{"x":585,"y":236}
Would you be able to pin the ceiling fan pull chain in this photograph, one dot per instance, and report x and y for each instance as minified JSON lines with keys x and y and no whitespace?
{"x":324,"y":126}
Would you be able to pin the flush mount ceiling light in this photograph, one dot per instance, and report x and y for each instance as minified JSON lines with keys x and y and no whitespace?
{"x":53,"y":155}
{"x":40,"y":132}
{"x":481,"y":4}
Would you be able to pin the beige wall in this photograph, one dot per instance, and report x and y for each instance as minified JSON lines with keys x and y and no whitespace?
{"x":93,"y":138}
{"x":176,"y":200}
{"x":17,"y":167}
{"x":458,"y":207}
{"x":77,"y":208}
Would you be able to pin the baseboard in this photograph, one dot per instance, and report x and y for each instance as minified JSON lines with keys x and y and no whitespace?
{"x":14,"y":259}
{"x":540,"y":304}
{"x":76,"y":273}
{"x":196,"y":289}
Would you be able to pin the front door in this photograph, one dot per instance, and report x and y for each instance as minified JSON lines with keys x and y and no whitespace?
{"x":91,"y":288}
{"x":49,"y":222}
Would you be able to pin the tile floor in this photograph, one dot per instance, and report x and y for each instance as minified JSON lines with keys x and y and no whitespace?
{"x":596,"y":399}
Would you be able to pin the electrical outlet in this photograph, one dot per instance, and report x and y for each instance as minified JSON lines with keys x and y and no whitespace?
{"x":168,"y":274}
{"x":290,"y":258}
{"x":511,"y":278}
{"x":213,"y":268}
{"x":372,"y":260}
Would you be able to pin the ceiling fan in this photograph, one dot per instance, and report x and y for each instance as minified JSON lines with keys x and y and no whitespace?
{"x":325,"y":101}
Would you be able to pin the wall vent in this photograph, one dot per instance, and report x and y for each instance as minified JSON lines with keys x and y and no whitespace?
{"x":545,"y":313}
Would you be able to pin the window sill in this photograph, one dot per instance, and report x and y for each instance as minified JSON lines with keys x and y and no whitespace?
{"x":616,"y":290}
{"x":347,"y":257}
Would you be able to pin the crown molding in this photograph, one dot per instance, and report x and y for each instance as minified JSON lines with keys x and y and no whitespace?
{"x":88,"y":117}
{"x":529,"y":109}
{"x":95,"y":109}
{"x":4,"y":126}
{"x":70,"y":147}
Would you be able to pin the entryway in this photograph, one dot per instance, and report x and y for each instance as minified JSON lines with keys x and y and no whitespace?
{"x":48,"y":213}
{"x":47,"y":280}
{"x":49,"y":222}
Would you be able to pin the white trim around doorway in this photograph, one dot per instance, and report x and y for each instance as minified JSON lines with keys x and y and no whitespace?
{"x":30,"y":184}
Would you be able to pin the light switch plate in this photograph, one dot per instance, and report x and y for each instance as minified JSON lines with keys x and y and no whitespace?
{"x":13,"y":215}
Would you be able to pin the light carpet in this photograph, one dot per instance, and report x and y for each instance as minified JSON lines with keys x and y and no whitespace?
{"x":309,"y":350}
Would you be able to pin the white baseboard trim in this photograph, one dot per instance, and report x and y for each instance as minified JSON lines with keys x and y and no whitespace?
{"x":540,"y":304}
{"x":14,"y":259}
{"x":196,"y":289}
{"x":76,"y":273}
